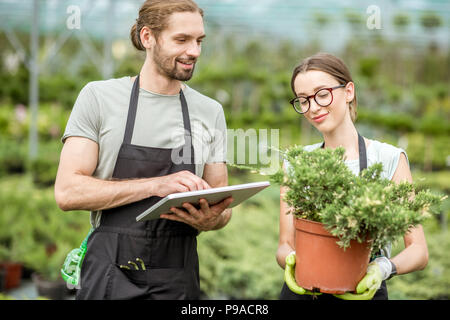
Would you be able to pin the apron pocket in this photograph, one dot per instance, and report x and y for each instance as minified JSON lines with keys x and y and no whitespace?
{"x":167,"y":283}
{"x":170,"y":252}
{"x":157,"y":283}
{"x":122,"y":285}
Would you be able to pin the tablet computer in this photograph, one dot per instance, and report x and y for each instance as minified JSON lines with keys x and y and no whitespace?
{"x":239,"y":192}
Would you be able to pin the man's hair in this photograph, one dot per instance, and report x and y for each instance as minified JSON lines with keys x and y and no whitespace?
{"x":155,"y":13}
{"x":330,"y":64}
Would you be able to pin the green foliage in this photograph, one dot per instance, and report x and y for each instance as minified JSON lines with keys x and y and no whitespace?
{"x":368,"y":66}
{"x":14,"y":160}
{"x":436,"y":150}
{"x":311,"y":187}
{"x":434,"y":281}
{"x":401,"y":20}
{"x":238,"y":261}
{"x":60,"y":88}
{"x":438,"y":180}
{"x":44,"y":168}
{"x":353,"y":18}
{"x":432,"y":124}
{"x":15,"y":87}
{"x":6,"y":297}
{"x":322,"y":188}
{"x":33,"y":230}
{"x":12,"y":157}
{"x":397,"y":121}
{"x":15,"y":122}
{"x":430,"y":20}
{"x":396,"y":92}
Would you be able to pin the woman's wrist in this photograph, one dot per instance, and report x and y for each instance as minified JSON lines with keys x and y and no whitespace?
{"x":386,"y":267}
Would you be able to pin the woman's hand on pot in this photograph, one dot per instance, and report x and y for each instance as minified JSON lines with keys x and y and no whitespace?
{"x":203,"y":219}
{"x":290,"y":259}
{"x":367,"y":287}
{"x":289,"y":276}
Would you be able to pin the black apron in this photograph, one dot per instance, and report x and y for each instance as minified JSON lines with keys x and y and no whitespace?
{"x":154,"y":259}
{"x":381,"y":294}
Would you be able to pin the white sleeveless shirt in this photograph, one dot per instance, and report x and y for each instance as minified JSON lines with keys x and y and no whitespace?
{"x":377,"y":152}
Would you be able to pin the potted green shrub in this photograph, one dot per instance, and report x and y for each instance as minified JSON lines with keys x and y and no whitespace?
{"x":34,"y":231}
{"x":12,"y":156}
{"x":43,"y":169}
{"x":353,"y":217}
{"x":11,"y":249}
{"x":10,"y":267}
{"x":2,"y":279}
{"x":46,"y":261}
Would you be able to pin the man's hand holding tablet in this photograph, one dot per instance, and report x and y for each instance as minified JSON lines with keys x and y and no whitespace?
{"x":203,"y":219}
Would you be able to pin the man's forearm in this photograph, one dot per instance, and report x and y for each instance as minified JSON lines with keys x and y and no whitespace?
{"x":89,"y":193}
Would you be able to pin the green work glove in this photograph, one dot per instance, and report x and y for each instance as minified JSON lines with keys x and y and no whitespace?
{"x":289,"y":277}
{"x":71,"y":268}
{"x":367,"y":287}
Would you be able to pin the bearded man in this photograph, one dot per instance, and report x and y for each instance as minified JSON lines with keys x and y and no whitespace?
{"x":133,"y":140}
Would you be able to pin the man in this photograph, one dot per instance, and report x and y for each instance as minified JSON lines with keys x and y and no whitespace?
{"x":131,"y":141}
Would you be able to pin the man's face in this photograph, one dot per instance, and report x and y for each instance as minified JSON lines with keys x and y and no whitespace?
{"x":179,"y":45}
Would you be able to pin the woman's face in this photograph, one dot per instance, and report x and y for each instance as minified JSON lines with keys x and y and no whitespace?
{"x":325,"y":119}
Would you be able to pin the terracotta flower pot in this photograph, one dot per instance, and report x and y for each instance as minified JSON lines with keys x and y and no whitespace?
{"x":320,"y":262}
{"x":54,"y":290}
{"x":13,"y":274}
{"x":2,"y":279}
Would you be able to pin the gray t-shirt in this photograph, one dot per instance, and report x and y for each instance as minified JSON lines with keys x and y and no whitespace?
{"x":377,"y":152}
{"x":100,"y":114}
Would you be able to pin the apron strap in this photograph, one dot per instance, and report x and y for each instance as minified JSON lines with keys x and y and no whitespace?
{"x":132,"y":112}
{"x":132,"y":109}
{"x":186,"y":119}
{"x":362,"y":153}
{"x":187,"y":131}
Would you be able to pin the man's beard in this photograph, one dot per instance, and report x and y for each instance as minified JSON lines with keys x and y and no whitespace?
{"x":167,"y":67}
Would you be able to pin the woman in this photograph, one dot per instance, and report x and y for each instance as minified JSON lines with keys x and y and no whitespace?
{"x":325,"y":95}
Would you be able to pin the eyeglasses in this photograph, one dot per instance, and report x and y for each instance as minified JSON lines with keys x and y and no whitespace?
{"x":323,"y":97}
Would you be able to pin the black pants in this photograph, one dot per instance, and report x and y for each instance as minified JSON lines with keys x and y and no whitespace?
{"x":287,"y":294}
